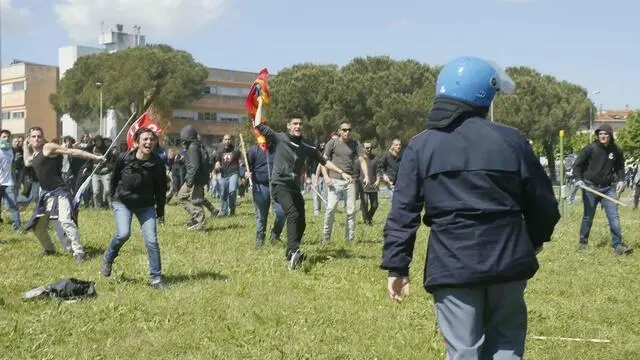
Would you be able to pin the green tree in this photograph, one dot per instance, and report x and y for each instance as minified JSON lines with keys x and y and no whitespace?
{"x":382,"y":98}
{"x":576,"y":142}
{"x":541,"y":107}
{"x":629,"y":138}
{"x":133,"y":80}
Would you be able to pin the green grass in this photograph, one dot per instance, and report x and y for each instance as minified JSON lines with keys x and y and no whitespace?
{"x":228,"y":300}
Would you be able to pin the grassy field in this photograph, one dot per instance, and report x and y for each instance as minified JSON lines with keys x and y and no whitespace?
{"x":227,"y":300}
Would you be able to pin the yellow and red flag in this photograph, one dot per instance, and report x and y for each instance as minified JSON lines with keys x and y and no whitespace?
{"x":259,"y":88}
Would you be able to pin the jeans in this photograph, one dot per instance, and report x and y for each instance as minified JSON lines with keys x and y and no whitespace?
{"x":100,"y":185}
{"x":34,"y":195}
{"x":483,"y":322}
{"x":228,"y":189}
{"x":368,"y":205}
{"x":335,"y":193}
{"x":262,"y":202}
{"x":147,"y":219}
{"x":590,"y":203}
{"x":10,"y":199}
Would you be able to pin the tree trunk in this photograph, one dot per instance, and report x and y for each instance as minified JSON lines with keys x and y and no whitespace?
{"x":551,"y":160}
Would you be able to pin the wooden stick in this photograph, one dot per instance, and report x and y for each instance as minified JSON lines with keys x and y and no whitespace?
{"x":569,"y":339}
{"x":244,"y":154}
{"x":584,"y":187}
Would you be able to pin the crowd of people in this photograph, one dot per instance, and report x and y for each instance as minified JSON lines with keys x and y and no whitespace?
{"x":477,"y":184}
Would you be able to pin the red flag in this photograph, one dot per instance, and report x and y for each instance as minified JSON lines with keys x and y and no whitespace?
{"x":259,"y":88}
{"x":145,"y":121}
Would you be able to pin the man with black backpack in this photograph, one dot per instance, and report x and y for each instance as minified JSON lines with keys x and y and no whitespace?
{"x":191,"y":194}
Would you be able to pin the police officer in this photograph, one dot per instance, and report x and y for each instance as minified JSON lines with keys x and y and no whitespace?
{"x":490,"y":207}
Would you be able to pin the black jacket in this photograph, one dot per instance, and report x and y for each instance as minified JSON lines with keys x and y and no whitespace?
{"x":599,"y":164}
{"x":290,"y":156}
{"x":139,"y":184}
{"x":389,"y":164}
{"x":485,"y":195}
{"x":194,"y":164}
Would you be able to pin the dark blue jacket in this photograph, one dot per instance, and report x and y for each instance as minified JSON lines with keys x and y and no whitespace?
{"x":258,"y":164}
{"x":486,"y":198}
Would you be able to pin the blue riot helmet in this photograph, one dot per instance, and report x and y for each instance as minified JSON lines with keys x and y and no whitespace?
{"x":473,"y":80}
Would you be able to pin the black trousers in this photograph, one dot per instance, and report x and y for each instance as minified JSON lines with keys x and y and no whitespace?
{"x":368,"y":203}
{"x":292,"y":203}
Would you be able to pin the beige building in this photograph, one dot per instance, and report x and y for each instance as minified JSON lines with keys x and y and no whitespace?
{"x":220,"y":111}
{"x":26,"y":88}
{"x":616,"y":118}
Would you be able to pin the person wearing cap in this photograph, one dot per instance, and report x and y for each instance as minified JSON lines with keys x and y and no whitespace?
{"x":600,"y":166}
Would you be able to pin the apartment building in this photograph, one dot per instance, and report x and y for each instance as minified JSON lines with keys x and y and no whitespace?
{"x":25,"y":91}
{"x":220,"y":111}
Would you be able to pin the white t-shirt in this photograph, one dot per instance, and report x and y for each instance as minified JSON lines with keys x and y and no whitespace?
{"x":6,"y":167}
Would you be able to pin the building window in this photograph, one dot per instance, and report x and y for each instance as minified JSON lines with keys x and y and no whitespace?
{"x":232,"y":91}
{"x":14,"y":86}
{"x":17,"y":115}
{"x":229,"y":118}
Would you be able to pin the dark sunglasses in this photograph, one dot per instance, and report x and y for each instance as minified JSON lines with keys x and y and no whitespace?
{"x":345,"y":130}
{"x":367,"y":147}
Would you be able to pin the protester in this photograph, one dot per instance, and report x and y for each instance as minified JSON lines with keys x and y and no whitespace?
{"x":600,"y":165}
{"x":8,"y":191}
{"x":191,"y":194}
{"x":56,"y":199}
{"x":347,"y":154}
{"x":260,"y":170}
{"x":490,"y":207}
{"x":227,"y":161}
{"x":291,"y":152}
{"x":369,"y":191}
{"x":138,"y":187}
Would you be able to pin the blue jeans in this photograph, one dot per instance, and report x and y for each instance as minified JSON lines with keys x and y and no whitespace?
{"x":34,"y":195}
{"x":10,"y":199}
{"x":147,"y":219}
{"x":262,"y":201}
{"x":228,"y":189}
{"x":590,"y":203}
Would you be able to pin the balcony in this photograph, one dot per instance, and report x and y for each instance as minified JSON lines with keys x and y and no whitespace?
{"x":13,"y":99}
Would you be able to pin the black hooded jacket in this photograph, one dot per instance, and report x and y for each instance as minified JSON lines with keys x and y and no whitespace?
{"x":195,"y":169}
{"x":599,"y":164}
{"x":486,"y":198}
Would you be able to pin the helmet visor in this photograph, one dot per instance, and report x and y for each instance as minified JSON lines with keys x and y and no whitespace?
{"x":505,"y":84}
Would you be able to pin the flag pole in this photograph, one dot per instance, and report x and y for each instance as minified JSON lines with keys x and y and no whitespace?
{"x":85,"y":184}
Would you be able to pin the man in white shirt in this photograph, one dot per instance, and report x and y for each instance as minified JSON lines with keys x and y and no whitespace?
{"x":7,"y":181}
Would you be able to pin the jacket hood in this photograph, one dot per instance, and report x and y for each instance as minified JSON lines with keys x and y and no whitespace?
{"x":447,"y":111}
{"x":188,"y":133}
{"x":608,"y":129}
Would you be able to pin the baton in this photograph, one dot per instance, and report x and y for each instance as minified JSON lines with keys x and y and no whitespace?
{"x":318,"y":193}
{"x":584,"y":187}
